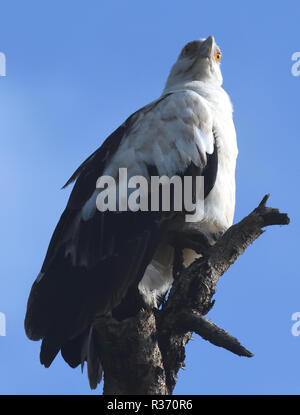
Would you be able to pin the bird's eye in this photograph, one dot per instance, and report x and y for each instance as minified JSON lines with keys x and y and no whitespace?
{"x":218,"y":56}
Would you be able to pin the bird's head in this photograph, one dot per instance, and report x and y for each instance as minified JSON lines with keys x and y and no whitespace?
{"x":199,"y":60}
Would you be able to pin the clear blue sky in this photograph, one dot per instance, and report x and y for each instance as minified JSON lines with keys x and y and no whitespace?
{"x":75,"y":71}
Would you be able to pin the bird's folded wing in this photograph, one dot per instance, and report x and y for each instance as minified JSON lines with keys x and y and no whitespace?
{"x":94,"y":256}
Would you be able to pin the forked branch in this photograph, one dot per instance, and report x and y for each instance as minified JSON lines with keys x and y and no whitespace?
{"x":143,"y":354}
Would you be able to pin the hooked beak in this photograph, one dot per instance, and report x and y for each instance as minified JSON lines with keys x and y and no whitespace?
{"x":207,"y":47}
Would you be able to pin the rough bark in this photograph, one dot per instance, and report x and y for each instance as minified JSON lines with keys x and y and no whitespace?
{"x":143,"y":354}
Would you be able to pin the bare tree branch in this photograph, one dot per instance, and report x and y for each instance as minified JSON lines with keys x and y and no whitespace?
{"x":143,"y":354}
{"x":211,"y":332}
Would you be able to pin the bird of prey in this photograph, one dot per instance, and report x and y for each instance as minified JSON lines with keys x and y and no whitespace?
{"x":101,"y":262}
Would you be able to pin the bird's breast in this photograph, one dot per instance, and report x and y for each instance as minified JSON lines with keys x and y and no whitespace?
{"x":219,"y":205}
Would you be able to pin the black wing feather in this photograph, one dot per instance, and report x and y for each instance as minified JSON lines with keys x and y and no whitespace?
{"x":111,"y":253}
{"x":112,"y":250}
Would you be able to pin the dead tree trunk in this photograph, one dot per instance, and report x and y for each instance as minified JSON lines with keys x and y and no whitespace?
{"x":143,"y":354}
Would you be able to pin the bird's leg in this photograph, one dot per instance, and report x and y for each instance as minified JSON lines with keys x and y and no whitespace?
{"x":196,"y":241}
